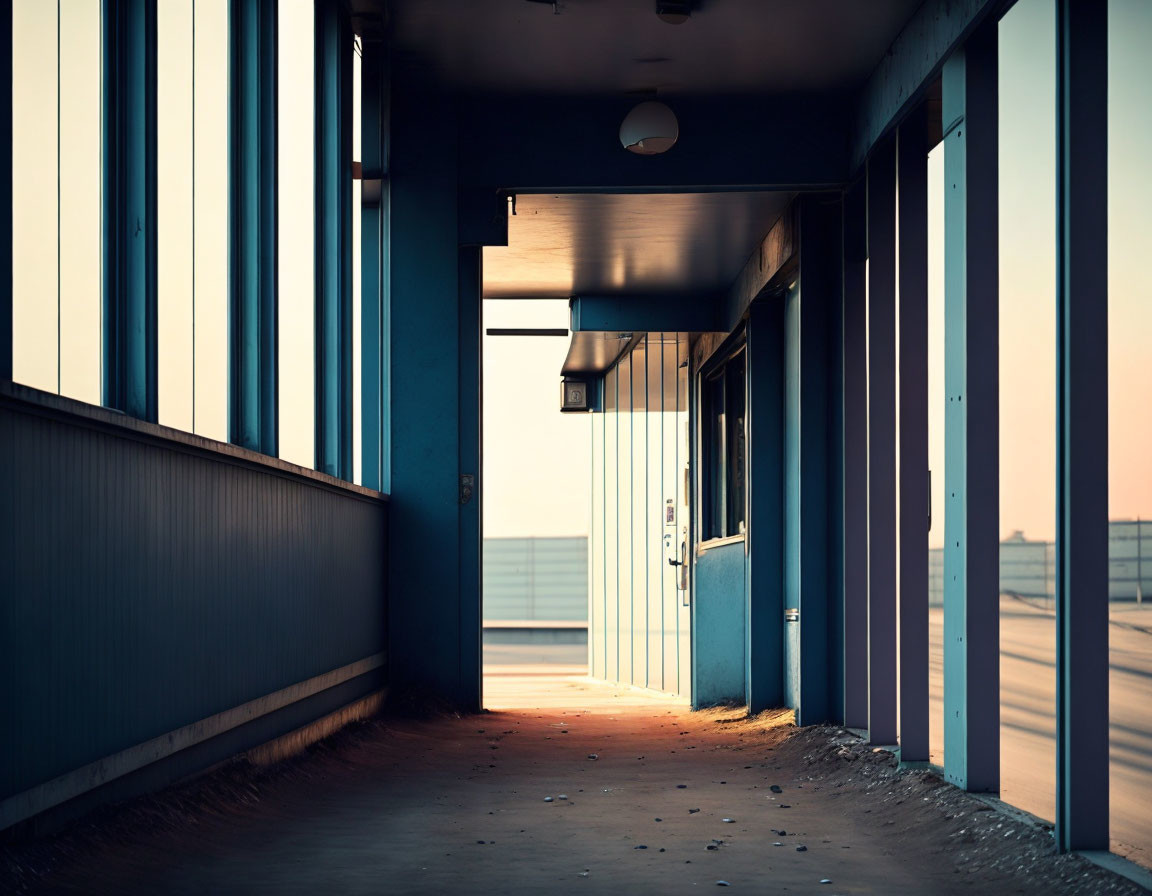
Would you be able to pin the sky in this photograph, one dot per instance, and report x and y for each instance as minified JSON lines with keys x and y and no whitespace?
{"x":537,"y":461}
{"x":534,"y":480}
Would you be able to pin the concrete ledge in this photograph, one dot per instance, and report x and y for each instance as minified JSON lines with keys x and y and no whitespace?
{"x":1138,"y":874}
{"x":299,"y":740}
{"x":77,"y":782}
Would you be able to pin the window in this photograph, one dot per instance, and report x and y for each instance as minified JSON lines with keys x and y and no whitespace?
{"x":723,"y":450}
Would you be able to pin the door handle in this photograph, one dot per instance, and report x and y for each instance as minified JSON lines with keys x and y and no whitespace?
{"x":672,"y":562}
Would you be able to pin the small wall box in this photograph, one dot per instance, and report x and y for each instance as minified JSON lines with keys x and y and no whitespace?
{"x":574,"y":396}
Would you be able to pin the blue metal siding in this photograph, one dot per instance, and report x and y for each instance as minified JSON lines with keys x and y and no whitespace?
{"x":148,"y":584}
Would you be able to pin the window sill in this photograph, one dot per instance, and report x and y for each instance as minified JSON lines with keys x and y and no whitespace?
{"x":703,"y":546}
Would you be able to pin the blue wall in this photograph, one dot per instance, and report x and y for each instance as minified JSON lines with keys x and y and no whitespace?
{"x":718,"y":639}
{"x":152,"y":579}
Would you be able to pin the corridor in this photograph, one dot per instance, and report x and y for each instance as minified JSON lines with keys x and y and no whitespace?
{"x":460,"y":805}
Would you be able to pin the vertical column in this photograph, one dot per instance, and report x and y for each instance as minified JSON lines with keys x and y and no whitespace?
{"x":128,"y":206}
{"x":333,"y":258}
{"x":374,"y":342}
{"x":971,"y":417}
{"x":834,"y":349}
{"x":882,"y":442}
{"x":1082,"y":425}
{"x":425,"y":569}
{"x":6,"y":196}
{"x":819,"y":229}
{"x":471,"y":424}
{"x":855,"y":460}
{"x":252,"y":225}
{"x":764,"y":626}
{"x":912,"y":173}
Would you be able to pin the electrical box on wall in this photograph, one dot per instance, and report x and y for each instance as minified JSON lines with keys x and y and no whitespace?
{"x":575,"y":396}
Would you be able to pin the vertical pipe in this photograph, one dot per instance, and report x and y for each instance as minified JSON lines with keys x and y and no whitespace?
{"x":912,"y":172}
{"x":855,"y":459}
{"x":6,"y":196}
{"x":333,"y":262}
{"x":252,"y":224}
{"x":971,"y":416}
{"x":882,"y":443}
{"x":128,"y":206}
{"x":1082,"y":425}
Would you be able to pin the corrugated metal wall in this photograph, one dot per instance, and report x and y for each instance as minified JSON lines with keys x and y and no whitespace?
{"x":639,"y":623}
{"x":536,"y":578}
{"x":148,"y":584}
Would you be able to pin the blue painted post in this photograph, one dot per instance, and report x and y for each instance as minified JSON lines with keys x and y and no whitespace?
{"x":252,"y":256}
{"x":912,"y":172}
{"x":855,"y":456}
{"x":128,"y":206}
{"x":819,"y":226}
{"x":1082,"y":425}
{"x":471,"y":279}
{"x":882,"y":683}
{"x":764,"y":625}
{"x":374,"y":335}
{"x":333,"y":258}
{"x":425,"y":611}
{"x":971,"y":422}
{"x":6,"y":197}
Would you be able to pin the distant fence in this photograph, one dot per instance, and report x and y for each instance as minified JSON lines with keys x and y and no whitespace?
{"x":536,"y":579}
{"x":1028,"y":568}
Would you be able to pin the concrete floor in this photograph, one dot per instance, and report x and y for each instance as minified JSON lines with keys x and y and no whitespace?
{"x":459,"y":805}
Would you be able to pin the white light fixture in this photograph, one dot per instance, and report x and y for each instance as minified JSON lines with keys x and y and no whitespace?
{"x":649,"y":129}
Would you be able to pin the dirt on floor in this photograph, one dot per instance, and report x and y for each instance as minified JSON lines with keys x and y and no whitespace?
{"x":629,"y":797}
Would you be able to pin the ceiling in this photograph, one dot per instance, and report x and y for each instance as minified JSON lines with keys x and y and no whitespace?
{"x":640,"y":244}
{"x":617,"y":46}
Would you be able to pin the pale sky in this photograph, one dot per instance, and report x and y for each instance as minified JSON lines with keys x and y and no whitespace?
{"x":537,"y":483}
{"x":537,"y":461}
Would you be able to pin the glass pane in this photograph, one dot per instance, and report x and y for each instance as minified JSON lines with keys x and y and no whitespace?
{"x":35,"y":196}
{"x":210,"y":211}
{"x":80,"y":199}
{"x":936,"y":404}
{"x":1028,"y":405}
{"x":175,"y":196}
{"x":1130,"y":426}
{"x":295,"y":179}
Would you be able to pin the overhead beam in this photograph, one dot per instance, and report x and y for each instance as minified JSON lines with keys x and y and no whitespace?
{"x":571,"y":145}
{"x":769,"y":261}
{"x":913,"y":61}
{"x":691,"y":313}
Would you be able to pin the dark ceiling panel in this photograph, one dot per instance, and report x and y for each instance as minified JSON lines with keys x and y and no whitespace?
{"x":616,"y":46}
{"x":640,"y":244}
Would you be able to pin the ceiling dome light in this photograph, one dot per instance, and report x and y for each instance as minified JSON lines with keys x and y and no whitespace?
{"x":649,"y":129}
{"x":674,"y":12}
